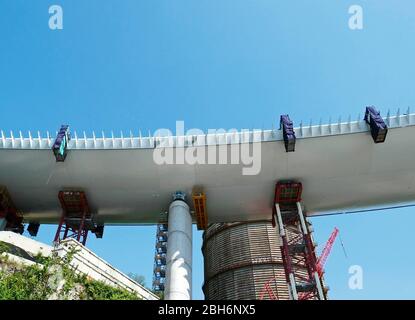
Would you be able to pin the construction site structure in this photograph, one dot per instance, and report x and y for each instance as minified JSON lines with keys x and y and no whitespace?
{"x":232,"y":196}
{"x":199,"y":203}
{"x":11,"y":218}
{"x":76,"y":220}
{"x":159,"y":272}
{"x":297,"y":249}
{"x":326,"y":251}
{"x":98,"y":164}
{"x":267,"y":290}
{"x":241,"y":259}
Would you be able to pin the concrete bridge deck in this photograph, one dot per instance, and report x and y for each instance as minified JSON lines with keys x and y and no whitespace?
{"x":339,"y":165}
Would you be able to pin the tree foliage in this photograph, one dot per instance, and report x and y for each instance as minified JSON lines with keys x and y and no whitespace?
{"x":52,"y":278}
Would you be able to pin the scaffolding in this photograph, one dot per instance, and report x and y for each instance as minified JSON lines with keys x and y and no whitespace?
{"x":13,"y":218}
{"x":76,"y":220}
{"x":298,"y":249}
{"x":159,"y":274}
{"x":242,"y":261}
{"x":199,"y":202}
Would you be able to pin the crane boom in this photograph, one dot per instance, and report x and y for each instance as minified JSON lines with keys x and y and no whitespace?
{"x":326,"y":251}
{"x":320,"y":266}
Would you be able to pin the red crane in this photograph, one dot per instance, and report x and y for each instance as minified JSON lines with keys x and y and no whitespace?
{"x":326,"y":251}
{"x":320,"y":266}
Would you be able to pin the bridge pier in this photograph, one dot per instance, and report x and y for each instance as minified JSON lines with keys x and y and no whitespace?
{"x":179,"y":250}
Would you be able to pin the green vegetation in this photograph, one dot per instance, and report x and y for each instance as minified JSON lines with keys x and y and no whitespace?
{"x":138,"y":278}
{"x":4,"y":247}
{"x":159,"y":294}
{"x":52,"y":278}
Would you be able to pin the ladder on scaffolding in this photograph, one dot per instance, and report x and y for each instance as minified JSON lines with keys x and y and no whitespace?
{"x":297,"y":249}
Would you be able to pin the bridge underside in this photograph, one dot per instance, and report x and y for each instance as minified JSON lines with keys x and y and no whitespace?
{"x":126,"y":186}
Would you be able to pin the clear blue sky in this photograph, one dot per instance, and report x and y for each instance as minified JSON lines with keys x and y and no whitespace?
{"x":141,"y":64}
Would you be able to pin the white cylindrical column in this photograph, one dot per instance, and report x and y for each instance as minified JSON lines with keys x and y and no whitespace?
{"x":179,"y":253}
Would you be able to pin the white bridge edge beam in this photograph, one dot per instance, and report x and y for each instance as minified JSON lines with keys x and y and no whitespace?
{"x":179,"y":252}
{"x":217,"y":138}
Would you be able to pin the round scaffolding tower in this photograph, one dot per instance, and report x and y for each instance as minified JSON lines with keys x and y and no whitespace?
{"x":242,"y":261}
